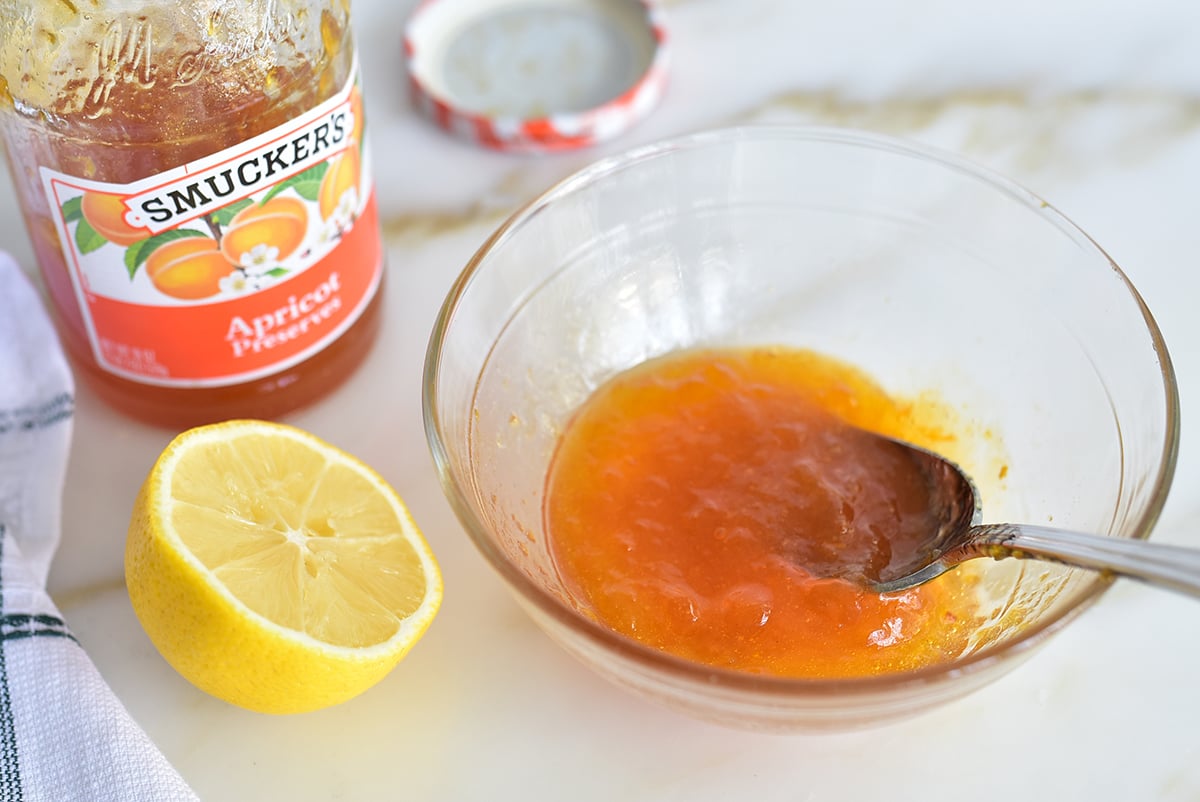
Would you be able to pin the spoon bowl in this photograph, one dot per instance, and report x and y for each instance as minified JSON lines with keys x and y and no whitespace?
{"x":960,"y":536}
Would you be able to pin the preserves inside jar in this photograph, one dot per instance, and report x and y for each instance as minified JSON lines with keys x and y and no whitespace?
{"x":700,"y":502}
{"x":133,"y":90}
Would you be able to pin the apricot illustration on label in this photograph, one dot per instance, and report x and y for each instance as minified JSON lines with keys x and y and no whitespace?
{"x":265,"y":234}
{"x":100,"y":219}
{"x":356,"y":109}
{"x":105,"y":213}
{"x":190,"y":268}
{"x":340,"y":186}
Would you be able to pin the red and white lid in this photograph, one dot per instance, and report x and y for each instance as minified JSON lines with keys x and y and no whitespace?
{"x":536,"y":75}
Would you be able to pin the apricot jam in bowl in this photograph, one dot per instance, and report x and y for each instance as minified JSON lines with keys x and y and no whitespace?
{"x":646,"y":393}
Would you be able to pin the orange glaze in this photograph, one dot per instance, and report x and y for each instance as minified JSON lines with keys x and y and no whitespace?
{"x":699,"y":502}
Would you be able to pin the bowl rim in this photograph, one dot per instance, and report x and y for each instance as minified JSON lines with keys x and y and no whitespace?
{"x":728,"y":680}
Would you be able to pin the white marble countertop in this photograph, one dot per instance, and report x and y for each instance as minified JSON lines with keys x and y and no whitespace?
{"x":1095,"y":106}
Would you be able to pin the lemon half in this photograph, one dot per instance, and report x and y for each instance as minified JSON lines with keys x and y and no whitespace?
{"x":275,"y":571}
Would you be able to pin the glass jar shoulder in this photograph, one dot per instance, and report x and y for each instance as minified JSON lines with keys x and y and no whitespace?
{"x":177,"y":79}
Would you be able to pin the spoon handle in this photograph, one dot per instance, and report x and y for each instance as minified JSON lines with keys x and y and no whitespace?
{"x":1172,"y":567}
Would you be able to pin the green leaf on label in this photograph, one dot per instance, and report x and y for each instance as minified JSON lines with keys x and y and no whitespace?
{"x":223,"y":215}
{"x":312,"y":174}
{"x":276,"y":272}
{"x":87,"y":239}
{"x":73,"y":209}
{"x":309,"y":190}
{"x":139,"y":252}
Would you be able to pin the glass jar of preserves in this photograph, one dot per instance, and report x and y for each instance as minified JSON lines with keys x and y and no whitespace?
{"x":193,"y":178}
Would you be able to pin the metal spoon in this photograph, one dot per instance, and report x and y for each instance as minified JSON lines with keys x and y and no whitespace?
{"x":960,"y":537}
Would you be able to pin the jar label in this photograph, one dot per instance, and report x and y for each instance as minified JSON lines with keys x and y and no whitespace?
{"x":231,"y":267}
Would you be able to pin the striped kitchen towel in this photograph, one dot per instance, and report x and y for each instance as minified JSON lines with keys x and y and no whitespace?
{"x":64,"y":735}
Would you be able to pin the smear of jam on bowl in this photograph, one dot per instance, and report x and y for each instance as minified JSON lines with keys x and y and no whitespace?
{"x":701,"y":502}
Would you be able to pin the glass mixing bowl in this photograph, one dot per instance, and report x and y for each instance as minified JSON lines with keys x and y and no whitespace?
{"x":929,"y":273}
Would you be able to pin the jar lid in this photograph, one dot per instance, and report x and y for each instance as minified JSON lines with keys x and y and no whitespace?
{"x":536,"y":75}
